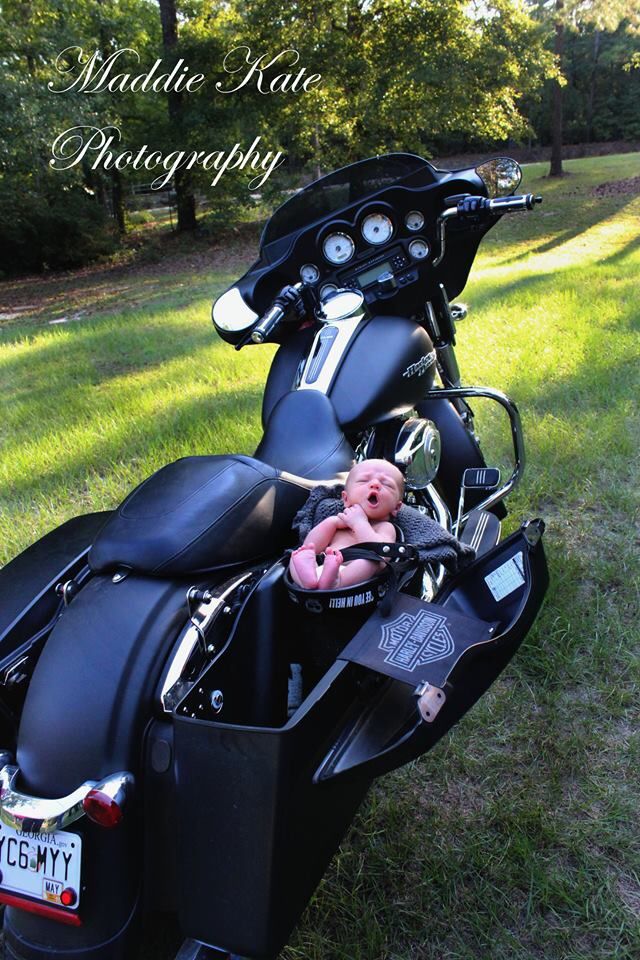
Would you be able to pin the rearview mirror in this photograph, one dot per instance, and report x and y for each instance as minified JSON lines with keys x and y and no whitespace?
{"x":500,"y":176}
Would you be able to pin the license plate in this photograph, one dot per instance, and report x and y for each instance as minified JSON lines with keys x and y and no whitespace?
{"x":42,"y":866}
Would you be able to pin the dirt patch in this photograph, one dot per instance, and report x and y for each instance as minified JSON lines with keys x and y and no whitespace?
{"x":616,"y":188}
{"x":71,"y":294}
{"x":630,"y":894}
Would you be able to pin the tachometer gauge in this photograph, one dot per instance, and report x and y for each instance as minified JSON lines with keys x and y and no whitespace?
{"x":309,"y":273}
{"x":419,"y":249}
{"x":376,"y":228}
{"x":338,"y":248}
{"x":414,"y":220}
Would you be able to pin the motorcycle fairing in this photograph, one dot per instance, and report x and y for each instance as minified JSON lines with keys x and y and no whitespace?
{"x":290,"y":239}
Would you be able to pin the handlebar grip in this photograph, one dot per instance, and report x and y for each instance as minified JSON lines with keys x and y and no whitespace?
{"x":267,"y":324}
{"x":512,"y":204}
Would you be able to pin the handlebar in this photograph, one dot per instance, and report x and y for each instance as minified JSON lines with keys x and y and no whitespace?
{"x":512,"y":204}
{"x":267,"y":323}
{"x":289,"y":304}
{"x":465,"y":205}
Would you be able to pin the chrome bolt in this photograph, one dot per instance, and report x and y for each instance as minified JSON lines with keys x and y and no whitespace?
{"x":217,"y":700}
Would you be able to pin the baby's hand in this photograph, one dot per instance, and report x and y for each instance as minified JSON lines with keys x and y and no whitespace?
{"x":341,"y":522}
{"x":355,"y":517}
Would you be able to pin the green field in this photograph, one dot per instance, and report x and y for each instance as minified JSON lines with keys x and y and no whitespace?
{"x":517,"y":837}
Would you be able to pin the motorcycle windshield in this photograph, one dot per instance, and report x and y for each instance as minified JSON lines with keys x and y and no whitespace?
{"x":338,"y":189}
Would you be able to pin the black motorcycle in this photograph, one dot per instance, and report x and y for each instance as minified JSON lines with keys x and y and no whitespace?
{"x":185,"y":730}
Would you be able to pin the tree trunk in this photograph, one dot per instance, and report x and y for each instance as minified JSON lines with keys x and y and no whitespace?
{"x":555,"y":170}
{"x":597,"y":36}
{"x":118,"y":201}
{"x":185,"y":201}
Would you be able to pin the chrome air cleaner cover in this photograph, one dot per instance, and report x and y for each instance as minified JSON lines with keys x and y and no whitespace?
{"x":418,"y":452}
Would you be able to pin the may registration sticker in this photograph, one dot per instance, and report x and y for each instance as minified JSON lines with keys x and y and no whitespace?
{"x":41,"y":866}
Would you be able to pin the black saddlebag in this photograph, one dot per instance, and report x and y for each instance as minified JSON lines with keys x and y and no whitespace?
{"x":264,"y":803}
{"x":29,"y":604}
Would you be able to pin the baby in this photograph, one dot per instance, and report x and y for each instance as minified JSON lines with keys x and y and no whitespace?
{"x":372,"y":495}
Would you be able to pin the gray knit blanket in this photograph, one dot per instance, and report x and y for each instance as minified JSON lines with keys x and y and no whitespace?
{"x":434,"y":543}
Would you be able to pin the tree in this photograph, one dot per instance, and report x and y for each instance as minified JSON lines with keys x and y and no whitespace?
{"x":185,"y":200}
{"x":574,"y":15}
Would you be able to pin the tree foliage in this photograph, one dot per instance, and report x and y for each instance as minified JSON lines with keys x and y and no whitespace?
{"x":429,"y":76}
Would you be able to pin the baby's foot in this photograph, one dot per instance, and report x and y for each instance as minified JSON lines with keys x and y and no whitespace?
{"x":330,"y":575}
{"x":303,"y":566}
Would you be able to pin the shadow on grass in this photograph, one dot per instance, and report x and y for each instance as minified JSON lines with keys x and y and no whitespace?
{"x":79,"y":310}
{"x":629,"y":248}
{"x":588,"y":216}
{"x":94,"y":355}
{"x":142,"y":436}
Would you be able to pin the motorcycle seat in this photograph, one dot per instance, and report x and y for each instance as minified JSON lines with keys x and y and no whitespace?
{"x":303,"y":436}
{"x":200,"y":514}
{"x":205,"y":513}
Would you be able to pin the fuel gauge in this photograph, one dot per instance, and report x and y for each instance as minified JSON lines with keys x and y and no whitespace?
{"x":419,"y":249}
{"x":414,"y":220}
{"x":309,"y":273}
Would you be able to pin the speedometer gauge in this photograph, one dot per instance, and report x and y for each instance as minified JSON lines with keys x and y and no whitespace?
{"x":309,"y":273}
{"x":376,"y":228}
{"x":414,"y":220}
{"x":338,"y":248}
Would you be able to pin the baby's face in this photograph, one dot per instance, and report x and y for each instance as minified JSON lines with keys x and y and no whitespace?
{"x":376,"y":486}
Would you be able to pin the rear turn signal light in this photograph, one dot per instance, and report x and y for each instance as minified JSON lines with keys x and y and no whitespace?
{"x":102,"y":809}
{"x":106,"y":801}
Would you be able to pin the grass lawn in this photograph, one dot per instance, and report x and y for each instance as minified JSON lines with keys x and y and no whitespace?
{"x":517,"y":837}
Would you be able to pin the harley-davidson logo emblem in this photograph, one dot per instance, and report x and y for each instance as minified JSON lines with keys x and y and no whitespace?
{"x":421,"y":366}
{"x":410,"y":641}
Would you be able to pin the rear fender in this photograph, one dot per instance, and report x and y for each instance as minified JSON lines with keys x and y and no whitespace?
{"x":85,"y":715}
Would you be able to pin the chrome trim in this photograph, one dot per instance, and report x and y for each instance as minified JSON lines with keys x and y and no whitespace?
{"x":346,"y":329}
{"x":36,"y":815}
{"x":418,"y":451}
{"x":443,"y":515}
{"x":441,"y":224}
{"x":231,"y":313}
{"x":200,"y":622}
{"x":458,"y":311}
{"x":453,"y":393}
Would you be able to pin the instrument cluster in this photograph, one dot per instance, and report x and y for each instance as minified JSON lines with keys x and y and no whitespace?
{"x":355,"y":253}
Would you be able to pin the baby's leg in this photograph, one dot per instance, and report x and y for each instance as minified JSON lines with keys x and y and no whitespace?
{"x":357,"y":570}
{"x":303,"y":566}
{"x":330,"y":575}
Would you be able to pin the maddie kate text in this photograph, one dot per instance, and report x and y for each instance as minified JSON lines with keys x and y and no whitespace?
{"x":279,"y":74}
